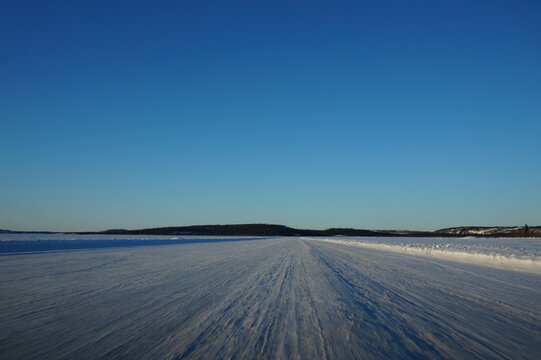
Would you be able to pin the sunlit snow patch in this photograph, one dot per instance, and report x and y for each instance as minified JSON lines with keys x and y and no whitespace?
{"x":526,"y":263}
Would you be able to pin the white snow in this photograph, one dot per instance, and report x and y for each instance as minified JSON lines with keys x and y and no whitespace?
{"x":494,"y":256}
{"x":274,"y":298}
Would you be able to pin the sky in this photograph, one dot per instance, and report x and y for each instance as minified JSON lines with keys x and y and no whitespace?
{"x":312,"y":114}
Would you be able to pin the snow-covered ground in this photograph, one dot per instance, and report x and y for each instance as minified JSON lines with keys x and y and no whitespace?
{"x":244,"y":298}
{"x":98,"y":237}
{"x":511,"y":254}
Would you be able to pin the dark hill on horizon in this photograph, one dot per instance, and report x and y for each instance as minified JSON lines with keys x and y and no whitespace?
{"x":281,"y":230}
{"x":247,"y":230}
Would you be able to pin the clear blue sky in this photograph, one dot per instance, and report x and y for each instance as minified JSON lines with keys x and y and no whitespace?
{"x":367,"y":114}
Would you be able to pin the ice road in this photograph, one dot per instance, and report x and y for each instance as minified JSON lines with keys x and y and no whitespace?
{"x":275,"y":298}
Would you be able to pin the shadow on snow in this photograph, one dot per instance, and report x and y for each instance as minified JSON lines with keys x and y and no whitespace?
{"x":40,"y":246}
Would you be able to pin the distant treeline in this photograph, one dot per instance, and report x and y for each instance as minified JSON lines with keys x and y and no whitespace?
{"x":281,"y":230}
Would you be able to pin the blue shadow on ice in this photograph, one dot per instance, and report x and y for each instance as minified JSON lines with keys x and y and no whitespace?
{"x":39,"y":246}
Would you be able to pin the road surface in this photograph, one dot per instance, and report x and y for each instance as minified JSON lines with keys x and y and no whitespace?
{"x":280,"y":298}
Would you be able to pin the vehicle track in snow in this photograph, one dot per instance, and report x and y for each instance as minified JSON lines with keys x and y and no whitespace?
{"x":267,"y":299}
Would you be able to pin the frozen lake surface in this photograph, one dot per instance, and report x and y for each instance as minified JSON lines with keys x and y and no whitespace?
{"x":146,"y":297}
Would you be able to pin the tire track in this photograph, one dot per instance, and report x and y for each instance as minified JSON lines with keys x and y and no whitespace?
{"x":273,"y":299}
{"x":420,"y":314}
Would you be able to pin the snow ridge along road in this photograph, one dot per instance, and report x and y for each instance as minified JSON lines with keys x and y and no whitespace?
{"x":279,"y":298}
{"x":508,"y":261}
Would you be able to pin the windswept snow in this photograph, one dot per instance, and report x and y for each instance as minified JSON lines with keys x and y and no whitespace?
{"x":277,"y":298}
{"x":511,"y":258}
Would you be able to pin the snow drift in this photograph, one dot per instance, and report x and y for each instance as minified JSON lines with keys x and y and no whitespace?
{"x":531,"y":263}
